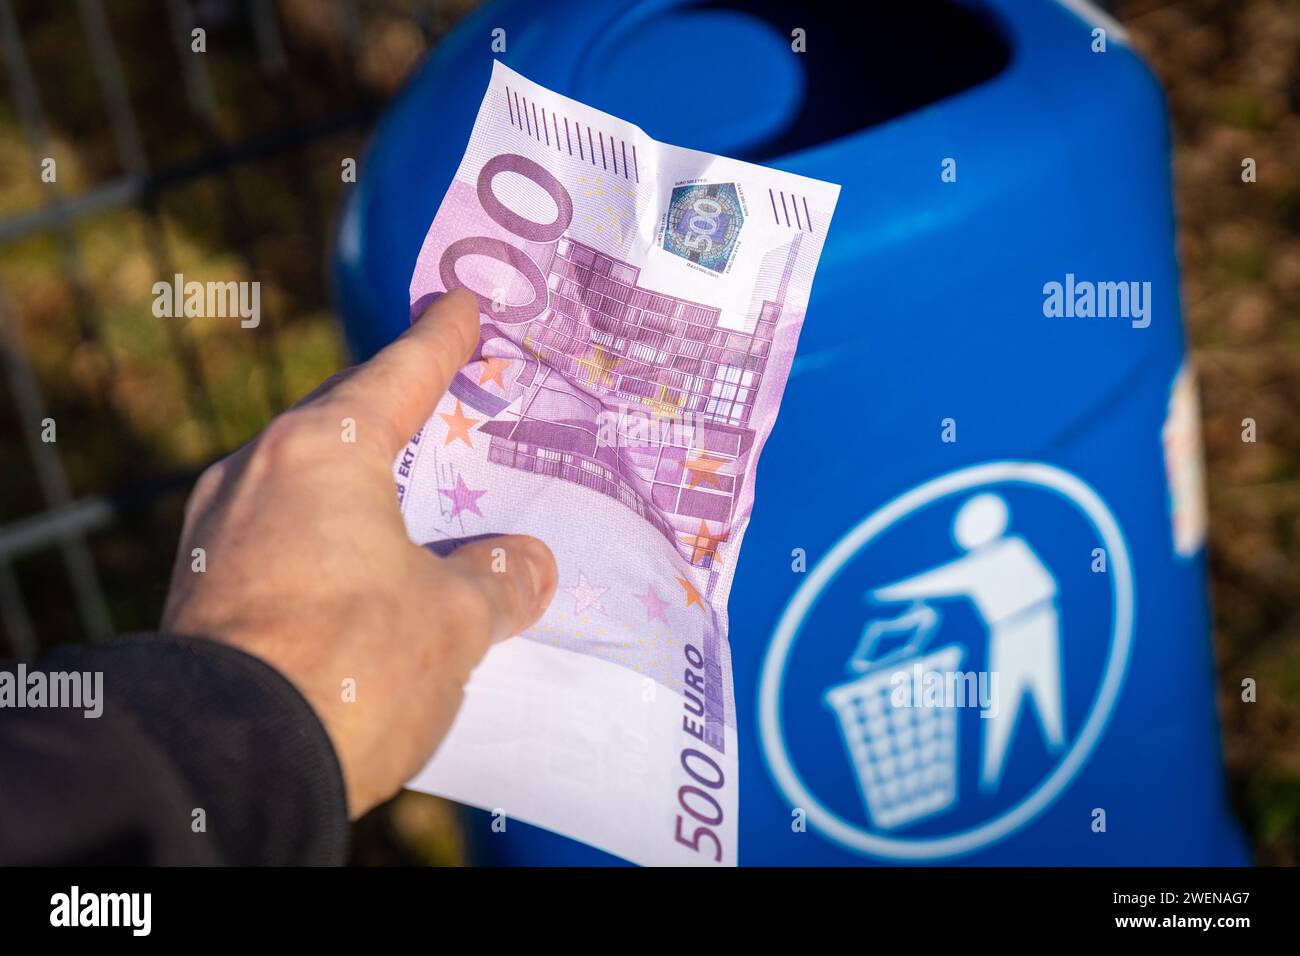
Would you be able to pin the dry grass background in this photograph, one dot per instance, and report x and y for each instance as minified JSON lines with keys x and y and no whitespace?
{"x":1231,"y":71}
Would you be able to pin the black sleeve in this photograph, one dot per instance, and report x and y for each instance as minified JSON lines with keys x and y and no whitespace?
{"x":202,"y":755}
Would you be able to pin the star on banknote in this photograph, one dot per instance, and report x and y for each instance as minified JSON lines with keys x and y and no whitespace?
{"x":463,"y":498}
{"x":655,"y":606}
{"x":586,"y":596}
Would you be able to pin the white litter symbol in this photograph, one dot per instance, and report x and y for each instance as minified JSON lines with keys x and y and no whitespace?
{"x":905,"y":758}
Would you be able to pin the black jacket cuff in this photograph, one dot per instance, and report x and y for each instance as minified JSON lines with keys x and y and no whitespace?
{"x":203,"y":754}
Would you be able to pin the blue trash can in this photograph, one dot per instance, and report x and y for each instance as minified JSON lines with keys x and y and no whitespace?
{"x":983,"y":490}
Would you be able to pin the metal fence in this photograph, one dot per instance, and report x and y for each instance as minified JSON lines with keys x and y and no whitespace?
{"x":48,"y":513}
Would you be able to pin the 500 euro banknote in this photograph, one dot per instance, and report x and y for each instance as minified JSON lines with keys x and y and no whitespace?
{"x":640,"y":305}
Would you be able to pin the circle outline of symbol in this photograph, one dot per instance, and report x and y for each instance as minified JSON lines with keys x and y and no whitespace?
{"x":772,"y":677}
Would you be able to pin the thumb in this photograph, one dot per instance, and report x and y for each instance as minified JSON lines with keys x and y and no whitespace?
{"x":400,"y":386}
{"x":515,"y":572}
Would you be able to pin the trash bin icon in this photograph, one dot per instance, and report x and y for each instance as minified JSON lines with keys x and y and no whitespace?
{"x":904,"y":751}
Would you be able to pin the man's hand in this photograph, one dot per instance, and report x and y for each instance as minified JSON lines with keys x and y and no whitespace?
{"x":308,"y":565}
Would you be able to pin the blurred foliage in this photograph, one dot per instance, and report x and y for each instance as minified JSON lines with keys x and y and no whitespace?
{"x":1231,"y":74}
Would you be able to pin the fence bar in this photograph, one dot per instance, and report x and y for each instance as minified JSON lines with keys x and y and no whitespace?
{"x":72,"y":520}
{"x":130,"y":190}
{"x":52,"y":478}
{"x":205,"y":105}
{"x":108,"y":68}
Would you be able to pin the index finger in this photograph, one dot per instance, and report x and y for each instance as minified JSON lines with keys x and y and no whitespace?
{"x":399,"y":388}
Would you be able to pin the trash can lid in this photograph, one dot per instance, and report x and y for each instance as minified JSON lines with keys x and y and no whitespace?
{"x":689,"y":76}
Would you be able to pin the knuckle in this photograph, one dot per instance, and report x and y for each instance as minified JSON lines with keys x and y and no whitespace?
{"x":496,"y":565}
{"x":291,"y":439}
{"x":445,"y":346}
{"x":470,"y":613}
{"x":456,"y":346}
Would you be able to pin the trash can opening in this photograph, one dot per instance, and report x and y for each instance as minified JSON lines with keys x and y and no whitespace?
{"x":853,"y":68}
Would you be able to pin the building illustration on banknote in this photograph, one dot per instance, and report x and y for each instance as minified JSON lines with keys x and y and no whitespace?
{"x":631,"y":392}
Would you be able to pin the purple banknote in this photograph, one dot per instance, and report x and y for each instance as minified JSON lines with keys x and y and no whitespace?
{"x":640,"y":305}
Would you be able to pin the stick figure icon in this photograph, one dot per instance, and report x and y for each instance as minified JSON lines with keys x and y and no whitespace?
{"x":1015,"y":595}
